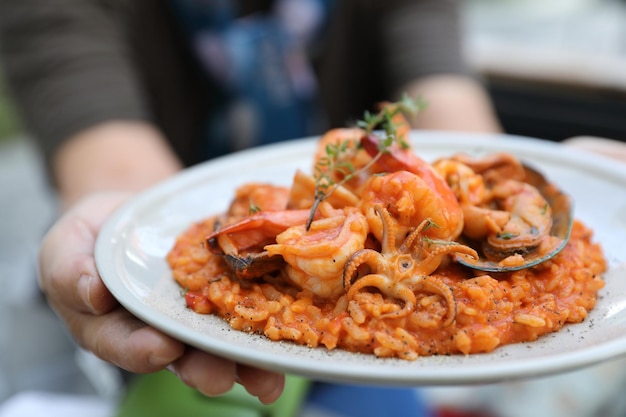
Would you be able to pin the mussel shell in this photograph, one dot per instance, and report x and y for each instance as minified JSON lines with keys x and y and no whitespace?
{"x":254,"y":265}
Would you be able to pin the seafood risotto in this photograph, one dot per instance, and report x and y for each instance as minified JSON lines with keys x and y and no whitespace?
{"x":360,"y":253}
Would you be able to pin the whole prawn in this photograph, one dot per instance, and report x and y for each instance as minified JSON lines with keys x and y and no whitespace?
{"x":316,"y":256}
{"x":472,"y":194}
{"x":413,"y":190}
{"x":414,"y":183}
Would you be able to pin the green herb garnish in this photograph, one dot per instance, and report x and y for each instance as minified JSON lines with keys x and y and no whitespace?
{"x":507,"y":235}
{"x":337,"y":158}
{"x":253,"y":208}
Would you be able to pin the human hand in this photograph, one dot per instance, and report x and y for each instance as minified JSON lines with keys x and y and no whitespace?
{"x":70,"y":281}
{"x":603,"y":146}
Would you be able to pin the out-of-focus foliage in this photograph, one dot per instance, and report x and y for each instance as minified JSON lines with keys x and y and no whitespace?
{"x":9,"y":123}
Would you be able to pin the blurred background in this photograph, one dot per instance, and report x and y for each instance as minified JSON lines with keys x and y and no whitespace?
{"x":555,"y":69}
{"x":35,"y":352}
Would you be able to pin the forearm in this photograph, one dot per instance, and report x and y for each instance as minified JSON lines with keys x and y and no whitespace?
{"x":68,"y":66}
{"x":117,"y":155}
{"x":454,"y":102}
{"x":610,"y":148}
{"x":423,"y":46}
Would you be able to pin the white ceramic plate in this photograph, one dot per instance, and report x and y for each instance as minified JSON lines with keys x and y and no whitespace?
{"x":132,"y":246}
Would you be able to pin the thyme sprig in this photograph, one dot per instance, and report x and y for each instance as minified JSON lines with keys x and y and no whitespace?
{"x":337,"y":160}
{"x":253,"y":208}
{"x":384,"y":118}
{"x":433,"y":242}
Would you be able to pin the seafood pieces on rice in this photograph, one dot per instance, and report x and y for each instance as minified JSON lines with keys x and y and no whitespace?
{"x":359,"y":254}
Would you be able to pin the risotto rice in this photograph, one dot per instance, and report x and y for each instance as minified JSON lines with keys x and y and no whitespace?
{"x":492,"y":310}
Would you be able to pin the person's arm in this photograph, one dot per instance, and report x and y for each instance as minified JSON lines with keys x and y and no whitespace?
{"x":81,"y":99}
{"x":68,"y":67}
{"x":69,"y":278}
{"x":454,"y":102}
{"x":116,"y":155}
{"x":424,"y":57}
{"x":610,"y":148}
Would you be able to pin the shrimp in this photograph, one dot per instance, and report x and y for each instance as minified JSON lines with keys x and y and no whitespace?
{"x":428,"y":192}
{"x":255,"y":230}
{"x":410,"y":200}
{"x":494,"y":167}
{"x":259,"y":197}
{"x":468,"y":186}
{"x":341,"y":145}
{"x":302,"y":194}
{"x":241,"y":243}
{"x":316,"y":257}
{"x":472,"y":194}
{"x":336,"y":136}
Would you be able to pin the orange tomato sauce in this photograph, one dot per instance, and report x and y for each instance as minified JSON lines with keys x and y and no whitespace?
{"x":491,"y":310}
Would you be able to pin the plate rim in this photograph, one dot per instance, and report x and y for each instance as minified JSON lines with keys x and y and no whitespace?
{"x":549,"y":365}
